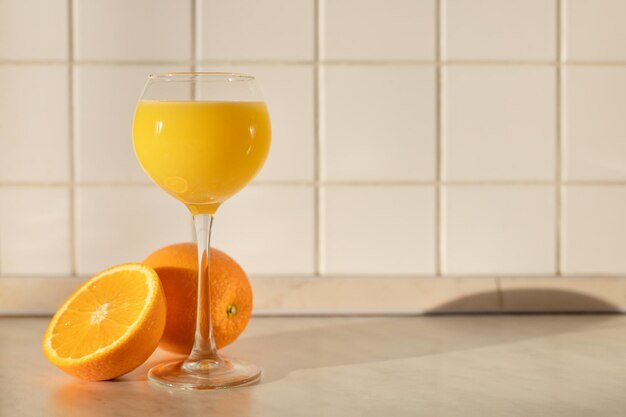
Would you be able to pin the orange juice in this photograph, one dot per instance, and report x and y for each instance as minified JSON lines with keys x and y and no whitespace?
{"x":201,"y":152}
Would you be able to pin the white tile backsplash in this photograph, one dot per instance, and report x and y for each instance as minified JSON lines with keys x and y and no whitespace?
{"x":105,"y":99}
{"x":378,"y":123}
{"x":594,"y":235}
{"x":125,"y":224}
{"x":40,"y":26}
{"x":378,"y":230}
{"x":377,"y":29}
{"x":34,"y":231}
{"x":132,"y":30}
{"x":34,"y":133}
{"x":499,"y":29}
{"x":594,"y":30}
{"x":412,"y":137}
{"x":255,"y":30}
{"x":499,"y":230}
{"x":268,"y":229}
{"x":595,"y":123}
{"x":498,"y":123}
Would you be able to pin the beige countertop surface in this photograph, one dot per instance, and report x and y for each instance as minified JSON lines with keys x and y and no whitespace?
{"x":517,"y":365}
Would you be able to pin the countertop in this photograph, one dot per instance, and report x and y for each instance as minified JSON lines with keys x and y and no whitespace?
{"x":479,"y":365}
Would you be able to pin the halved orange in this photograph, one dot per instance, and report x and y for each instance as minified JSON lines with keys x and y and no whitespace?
{"x":110,"y":325}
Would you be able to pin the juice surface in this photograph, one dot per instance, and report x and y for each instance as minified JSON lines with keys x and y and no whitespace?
{"x":201,"y":152}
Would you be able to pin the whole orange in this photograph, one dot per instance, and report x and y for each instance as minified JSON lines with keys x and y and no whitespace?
{"x":231,"y":295}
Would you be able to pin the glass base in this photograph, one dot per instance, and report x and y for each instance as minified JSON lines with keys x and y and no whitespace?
{"x":226,"y":373}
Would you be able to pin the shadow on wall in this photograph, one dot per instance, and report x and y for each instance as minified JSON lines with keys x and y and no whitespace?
{"x":528,"y":301}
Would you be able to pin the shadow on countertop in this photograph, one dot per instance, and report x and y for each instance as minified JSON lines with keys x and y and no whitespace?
{"x":323,"y":344}
{"x":376,"y":339}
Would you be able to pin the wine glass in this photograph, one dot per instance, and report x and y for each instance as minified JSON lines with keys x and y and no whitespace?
{"x":202,"y":137}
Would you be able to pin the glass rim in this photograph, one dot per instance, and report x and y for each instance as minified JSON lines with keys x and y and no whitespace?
{"x":200,"y":76}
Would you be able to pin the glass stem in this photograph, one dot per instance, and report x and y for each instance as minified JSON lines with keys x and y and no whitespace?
{"x":204,"y":353}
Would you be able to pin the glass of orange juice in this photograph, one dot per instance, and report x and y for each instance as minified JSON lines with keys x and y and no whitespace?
{"x":202,"y":137}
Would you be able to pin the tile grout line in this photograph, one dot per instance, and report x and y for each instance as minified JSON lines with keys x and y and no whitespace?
{"x":194,"y":37}
{"x":499,"y":292}
{"x":270,"y":63}
{"x":558,"y":144}
{"x":340,"y":183}
{"x":71,"y":141}
{"x":317,"y":200}
{"x":488,"y":276}
{"x":438,"y":155}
